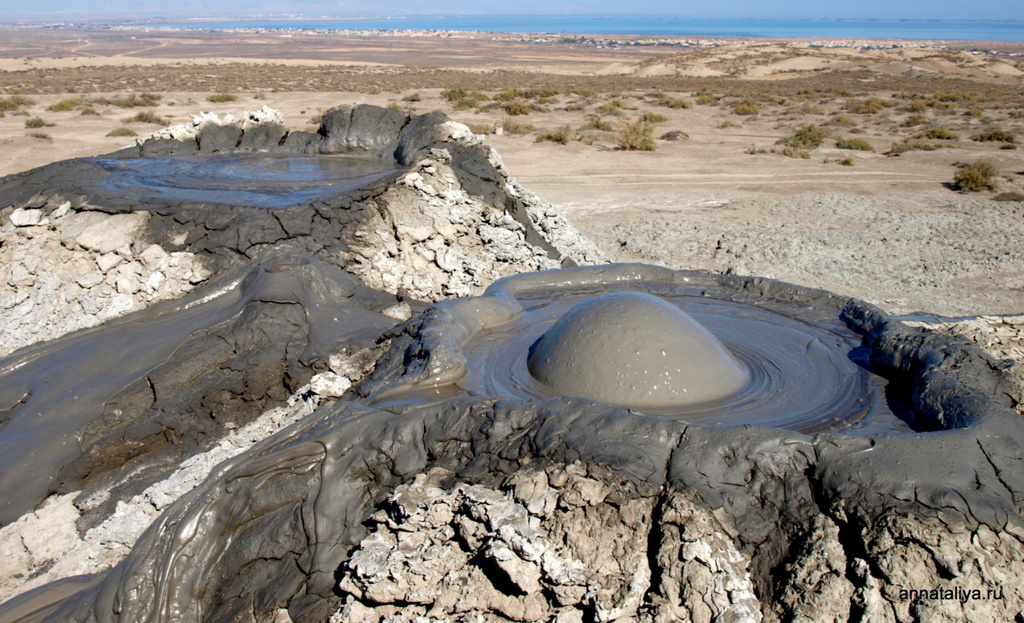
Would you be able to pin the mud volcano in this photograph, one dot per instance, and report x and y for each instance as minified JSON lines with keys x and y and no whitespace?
{"x":685,"y":346}
{"x":619,"y":443}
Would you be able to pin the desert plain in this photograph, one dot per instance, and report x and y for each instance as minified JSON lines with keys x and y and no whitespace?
{"x":830,"y":164}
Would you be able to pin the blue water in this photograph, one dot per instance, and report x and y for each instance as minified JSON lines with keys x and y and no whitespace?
{"x":620,"y":25}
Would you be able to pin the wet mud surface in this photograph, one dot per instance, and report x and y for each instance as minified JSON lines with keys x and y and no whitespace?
{"x":847,"y":447}
{"x":248,"y":179}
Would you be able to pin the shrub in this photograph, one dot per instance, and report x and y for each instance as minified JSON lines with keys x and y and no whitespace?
{"x":976,"y":176}
{"x":413,"y":97}
{"x":597,"y":123}
{"x":728,"y":124}
{"x":847,"y":162}
{"x":66,"y":104}
{"x":43,"y":136}
{"x":14,"y":102}
{"x":1011,"y":195}
{"x":867,"y":107}
{"x":220,"y":98}
{"x":913,"y":120}
{"x":613,"y":107}
{"x":90,"y":111}
{"x":36,"y":122}
{"x":455,"y":94}
{"x":636,"y":136}
{"x":807,"y":137}
{"x":511,"y":126}
{"x":145,"y":116}
{"x":938,"y":134}
{"x":668,"y":102}
{"x":122,"y":132}
{"x":794,"y":152}
{"x":516,"y":107}
{"x":858,"y":144}
{"x":916,"y":106}
{"x":562,"y":135}
{"x":653,"y":117}
{"x":746,"y":107}
{"x":133,"y":101}
{"x":707,"y":100}
{"x":996,"y":135}
{"x":912,"y":145}
{"x":843,"y":120}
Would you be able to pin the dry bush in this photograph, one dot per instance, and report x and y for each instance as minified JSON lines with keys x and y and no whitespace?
{"x":517,"y":106}
{"x":746,"y":107}
{"x":669,"y":102}
{"x":913,"y":120}
{"x":511,"y":126}
{"x":912,"y":145}
{"x":122,"y":132}
{"x":707,"y":100}
{"x":868,"y":106}
{"x":595,"y":122}
{"x":14,"y":102}
{"x":976,"y":176}
{"x":36,"y":122}
{"x":1011,"y":195}
{"x":132,"y":101}
{"x":843,"y":120}
{"x":480,"y":128}
{"x":145,"y":116}
{"x":858,"y":144}
{"x":636,"y":136}
{"x":90,"y":111}
{"x":412,"y":97}
{"x":562,"y":135}
{"x":938,"y":134}
{"x":653,"y":117}
{"x":41,"y":136}
{"x":795,"y":152}
{"x":996,"y":134}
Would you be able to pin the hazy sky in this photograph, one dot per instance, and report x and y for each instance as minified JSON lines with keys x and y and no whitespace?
{"x":789,"y":9}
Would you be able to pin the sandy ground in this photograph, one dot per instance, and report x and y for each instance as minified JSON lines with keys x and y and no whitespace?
{"x":884,"y":226}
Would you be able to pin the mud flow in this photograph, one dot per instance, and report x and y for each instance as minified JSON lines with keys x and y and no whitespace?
{"x":246,"y":179}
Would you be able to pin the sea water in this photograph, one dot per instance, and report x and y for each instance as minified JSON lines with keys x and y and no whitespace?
{"x":646,"y":25}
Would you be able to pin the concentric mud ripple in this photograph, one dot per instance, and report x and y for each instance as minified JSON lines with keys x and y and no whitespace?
{"x":806,"y":369}
{"x":247,"y":179}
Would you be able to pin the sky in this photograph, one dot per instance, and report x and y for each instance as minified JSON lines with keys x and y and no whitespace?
{"x":992,"y":10}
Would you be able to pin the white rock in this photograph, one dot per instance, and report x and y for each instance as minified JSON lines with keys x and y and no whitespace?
{"x":113,"y":233}
{"x":329,"y":384}
{"x":108,"y":261}
{"x":23,"y":217}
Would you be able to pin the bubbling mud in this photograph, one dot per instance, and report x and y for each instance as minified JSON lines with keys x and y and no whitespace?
{"x":247,"y":179}
{"x":728,"y":356}
{"x":634,"y":349}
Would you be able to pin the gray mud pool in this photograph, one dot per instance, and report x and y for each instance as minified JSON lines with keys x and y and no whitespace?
{"x":258,"y":180}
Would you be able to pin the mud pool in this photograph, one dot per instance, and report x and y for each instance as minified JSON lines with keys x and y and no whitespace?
{"x":747,"y":360}
{"x":244,"y":179}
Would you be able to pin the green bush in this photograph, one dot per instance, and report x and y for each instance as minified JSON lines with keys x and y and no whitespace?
{"x":66,"y":104}
{"x":858,"y":144}
{"x":221,"y":98}
{"x":976,"y":176}
{"x":122,"y":132}
{"x":938,"y":134}
{"x":36,"y":122}
{"x":636,"y":136}
{"x":996,"y":135}
{"x":807,"y":137}
{"x":90,"y":111}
